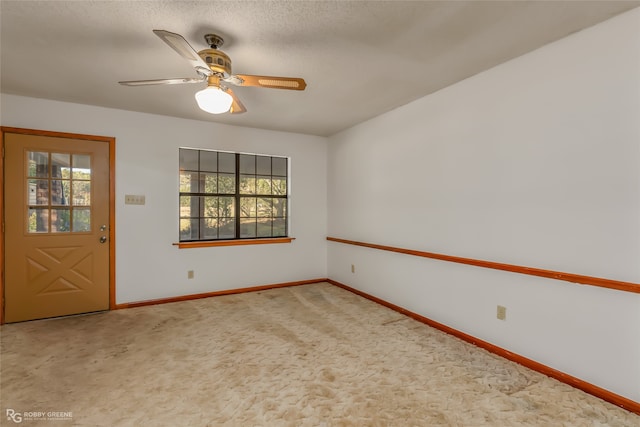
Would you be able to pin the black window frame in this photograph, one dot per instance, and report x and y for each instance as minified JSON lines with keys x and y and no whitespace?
{"x":256,"y":214}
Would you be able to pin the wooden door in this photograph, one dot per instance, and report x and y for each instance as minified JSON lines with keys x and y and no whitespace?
{"x":57,"y":245}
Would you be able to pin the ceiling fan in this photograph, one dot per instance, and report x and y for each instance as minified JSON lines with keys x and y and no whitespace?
{"x":214,"y":67}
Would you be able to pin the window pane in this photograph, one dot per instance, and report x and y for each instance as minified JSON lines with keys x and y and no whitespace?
{"x":38,"y":220}
{"x":188,"y":229}
{"x":248,"y":207}
{"x":210,"y":181}
{"x":279,"y":227}
{"x":38,"y":164}
{"x":188,"y":182}
{"x":263,"y":165}
{"x":280,"y":186}
{"x":81,"y":166}
{"x":247,"y":163}
{"x":226,"y":183}
{"x":265,"y":207}
{"x":210,"y":207}
{"x":264,"y":227}
{"x":81,"y":193}
{"x":263,"y":185}
{"x":226,"y":207}
{"x":248,"y":227}
{"x":60,"y":221}
{"x":280,"y":208}
{"x":208,"y":161}
{"x":247,"y":184}
{"x":279,"y":166}
{"x":209,"y":228}
{"x":188,"y":159}
{"x":60,"y":165}
{"x":227,"y":162}
{"x":38,"y":191}
{"x":188,"y":206}
{"x":230,"y":195}
{"x":227,"y":228}
{"x":60,"y":192}
{"x":81,"y":220}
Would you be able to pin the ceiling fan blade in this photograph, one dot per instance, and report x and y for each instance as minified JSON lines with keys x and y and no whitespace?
{"x":236,"y":107}
{"x":291,"y":83}
{"x":163,"y":81}
{"x":184,"y":49}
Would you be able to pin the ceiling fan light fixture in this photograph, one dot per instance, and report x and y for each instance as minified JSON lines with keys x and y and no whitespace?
{"x":214,"y":100}
{"x":214,"y":67}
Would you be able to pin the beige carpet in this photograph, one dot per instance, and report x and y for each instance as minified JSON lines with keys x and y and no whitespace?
{"x":313,"y":355}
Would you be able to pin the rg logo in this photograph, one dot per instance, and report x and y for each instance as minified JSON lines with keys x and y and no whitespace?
{"x":14,"y":416}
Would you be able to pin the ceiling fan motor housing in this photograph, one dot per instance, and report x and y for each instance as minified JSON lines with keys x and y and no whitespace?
{"x":217,"y":60}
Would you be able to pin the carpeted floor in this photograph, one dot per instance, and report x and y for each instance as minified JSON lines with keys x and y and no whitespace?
{"x":312,"y":355}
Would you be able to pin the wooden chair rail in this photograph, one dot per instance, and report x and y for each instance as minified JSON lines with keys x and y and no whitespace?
{"x":550,"y":274}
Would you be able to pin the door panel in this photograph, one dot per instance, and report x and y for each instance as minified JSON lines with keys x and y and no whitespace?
{"x":56,"y":226}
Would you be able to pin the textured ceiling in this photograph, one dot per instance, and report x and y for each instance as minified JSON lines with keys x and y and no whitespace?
{"x":359,"y":58}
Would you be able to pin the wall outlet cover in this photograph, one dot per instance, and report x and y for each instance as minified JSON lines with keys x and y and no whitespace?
{"x":501,"y":313}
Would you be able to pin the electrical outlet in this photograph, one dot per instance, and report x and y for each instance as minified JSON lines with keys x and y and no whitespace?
{"x":353,"y":268}
{"x":501,"y":313}
{"x":132,"y":199}
{"x":190,"y":274}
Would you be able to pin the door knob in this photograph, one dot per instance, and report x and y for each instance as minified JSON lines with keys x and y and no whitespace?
{"x":103,"y":239}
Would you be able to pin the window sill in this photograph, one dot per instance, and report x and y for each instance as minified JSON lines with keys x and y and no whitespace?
{"x":239,"y":242}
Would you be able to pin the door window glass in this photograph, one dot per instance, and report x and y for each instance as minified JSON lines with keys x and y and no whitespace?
{"x":58,"y":192}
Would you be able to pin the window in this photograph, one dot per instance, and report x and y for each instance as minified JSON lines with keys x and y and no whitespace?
{"x":227,"y":196}
{"x":58,"y":192}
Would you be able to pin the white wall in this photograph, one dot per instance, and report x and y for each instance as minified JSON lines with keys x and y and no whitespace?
{"x":147,"y":265}
{"x":535,"y":162}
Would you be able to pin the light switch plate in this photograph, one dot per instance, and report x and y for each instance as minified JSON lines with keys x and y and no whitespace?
{"x":132,"y":199}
